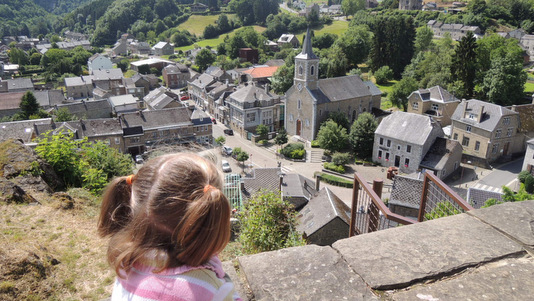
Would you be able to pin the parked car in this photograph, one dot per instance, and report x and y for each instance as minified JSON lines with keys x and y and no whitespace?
{"x":229,"y":132}
{"x":226,"y":150}
{"x":226,"y":166}
{"x":214,"y":120}
{"x":185,"y":97}
{"x":139,"y":159}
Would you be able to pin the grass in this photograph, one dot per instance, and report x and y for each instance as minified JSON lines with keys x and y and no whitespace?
{"x":216,"y":41}
{"x":337,"y":27}
{"x":196,"y":23}
{"x":529,"y":87}
{"x":386,"y":89}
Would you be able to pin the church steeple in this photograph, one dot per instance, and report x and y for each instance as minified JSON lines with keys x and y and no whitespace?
{"x":306,"y":65}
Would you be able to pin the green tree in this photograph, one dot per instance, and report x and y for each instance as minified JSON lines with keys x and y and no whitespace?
{"x":204,"y":59}
{"x":63,"y":114}
{"x":268,"y":223}
{"x":220,"y":140}
{"x":332,"y":136}
{"x":341,"y":158}
{"x":362,"y":134}
{"x":383,"y":75}
{"x":29,"y":105}
{"x":283,"y":78}
{"x":355,"y":43}
{"x":504,"y":82}
{"x":262,"y":130}
{"x":281,"y":137}
{"x":340,"y":118}
{"x":401,"y":91}
{"x":18,"y":56}
{"x":423,"y":38}
{"x":350,"y":7}
{"x":464,"y":64}
{"x":124,"y":64}
{"x":336,"y":63}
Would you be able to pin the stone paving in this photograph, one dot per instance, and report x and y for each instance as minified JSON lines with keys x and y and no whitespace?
{"x":485,"y":254}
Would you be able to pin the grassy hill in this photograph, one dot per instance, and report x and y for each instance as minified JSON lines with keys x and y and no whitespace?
{"x":196,"y":23}
{"x":216,"y":41}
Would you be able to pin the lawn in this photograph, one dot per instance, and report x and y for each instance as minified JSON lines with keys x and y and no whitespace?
{"x":529,"y":87}
{"x":337,"y":27}
{"x":386,"y":89}
{"x":196,"y":23}
{"x":216,"y":41}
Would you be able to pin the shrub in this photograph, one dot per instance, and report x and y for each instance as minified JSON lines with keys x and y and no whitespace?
{"x":334,"y":167}
{"x":336,"y":181}
{"x":341,"y":158}
{"x":522,"y":176}
{"x":383,"y":75}
{"x":298,"y":154}
{"x":290,"y":148}
{"x":268,"y":223}
{"x":315,"y":144}
{"x":529,"y":184}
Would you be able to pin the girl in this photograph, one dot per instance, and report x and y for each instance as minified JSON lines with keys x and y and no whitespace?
{"x":166,"y":224}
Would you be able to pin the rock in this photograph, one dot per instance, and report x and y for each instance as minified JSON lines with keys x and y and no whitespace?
{"x":12,"y":193}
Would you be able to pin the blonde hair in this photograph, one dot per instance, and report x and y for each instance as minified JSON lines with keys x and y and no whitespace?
{"x":165,"y":215}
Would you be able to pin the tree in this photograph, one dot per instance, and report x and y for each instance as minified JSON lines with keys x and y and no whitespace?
{"x":383,"y":75}
{"x":350,"y":7}
{"x":220,"y":140}
{"x":240,"y":155}
{"x":281,"y":137}
{"x":340,"y":118}
{"x":268,"y":223}
{"x":282,"y":79}
{"x":355,"y":43}
{"x":401,"y":91}
{"x":464,"y":64}
{"x":204,"y":59}
{"x":336,"y":63}
{"x":123,"y":64}
{"x":362,"y":135}
{"x":332,"y":136}
{"x":262,"y":130}
{"x":29,"y":105}
{"x":63,"y":114}
{"x":423,"y":38}
{"x":505,"y":81}
{"x":210,"y":31}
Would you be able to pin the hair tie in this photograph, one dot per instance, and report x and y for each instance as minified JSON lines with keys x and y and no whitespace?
{"x":130,"y":179}
{"x":208,"y":188}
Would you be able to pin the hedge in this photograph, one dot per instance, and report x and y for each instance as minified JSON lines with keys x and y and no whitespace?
{"x":333,"y":180}
{"x":334,"y":167}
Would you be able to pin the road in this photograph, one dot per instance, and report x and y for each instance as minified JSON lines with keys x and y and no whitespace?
{"x":502,"y":175}
{"x":283,"y":6}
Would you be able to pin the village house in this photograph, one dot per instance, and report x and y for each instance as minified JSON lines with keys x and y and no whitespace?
{"x":124,"y":104}
{"x":297,"y":189}
{"x":163,"y":48}
{"x":99,"y":62}
{"x":443,"y":158}
{"x":403,"y":139}
{"x":457,"y":31}
{"x":288,"y":39}
{"x":325,"y":219}
{"x":527,"y":42}
{"x":308,"y":10}
{"x":435,"y":102}
{"x":202,"y":127}
{"x":16,"y":85}
{"x":150,"y":63}
{"x":161,"y":98}
{"x":410,"y":4}
{"x":121,"y":46}
{"x":10,"y":102}
{"x":132,"y":87}
{"x":486,"y":131}
{"x":109,"y":80}
{"x":310,"y":100}
{"x":199,"y":88}
{"x":526,"y":122}
{"x":528,"y":161}
{"x":198,"y":7}
{"x":260,"y":75}
{"x":79,"y":87}
{"x":144,"y":129}
{"x":250,"y":106}
{"x":176,"y":76}
{"x":74,"y":36}
{"x":248,"y":55}
{"x":94,"y":109}
{"x":137,"y":47}
{"x":215,"y":94}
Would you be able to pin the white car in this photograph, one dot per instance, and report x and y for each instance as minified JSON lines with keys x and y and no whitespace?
{"x":226,"y":166}
{"x":139,"y":159}
{"x":226,"y":150}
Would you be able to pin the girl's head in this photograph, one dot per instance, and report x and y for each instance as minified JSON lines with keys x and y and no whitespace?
{"x":174,"y":212}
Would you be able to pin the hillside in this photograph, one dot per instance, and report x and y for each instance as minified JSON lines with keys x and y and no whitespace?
{"x":59,"y":7}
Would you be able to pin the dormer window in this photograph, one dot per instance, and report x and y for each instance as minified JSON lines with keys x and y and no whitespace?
{"x":472,"y":116}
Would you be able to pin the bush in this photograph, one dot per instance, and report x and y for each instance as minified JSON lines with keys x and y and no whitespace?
{"x":383,"y":75}
{"x":334,"y":167}
{"x":522,"y":176}
{"x":315,"y":144}
{"x":341,"y":158}
{"x":268,"y":223}
{"x":290,"y":150}
{"x":529,"y":184}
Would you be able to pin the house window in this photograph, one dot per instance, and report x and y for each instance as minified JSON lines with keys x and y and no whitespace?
{"x":398,"y":147}
{"x":381,"y":141}
{"x":379,"y":154}
{"x":408,"y":148}
{"x":307,"y":122}
{"x":320,"y":112}
{"x":406,"y":162}
{"x":435,"y":107}
{"x":443,"y":172}
{"x":495,"y":148}
{"x":455,"y":136}
{"x":465,"y":141}
{"x":387,"y":156}
{"x":415,"y":105}
{"x":155,"y":135}
{"x":509,"y":132}
{"x":117,"y":140}
{"x":468,"y":129}
{"x":477,"y":146}
{"x":134,"y":140}
{"x":290,"y":117}
{"x":471,"y":116}
{"x":389,"y":143}
{"x":498,"y":133}
{"x":251,"y":117}
{"x":506,"y":120}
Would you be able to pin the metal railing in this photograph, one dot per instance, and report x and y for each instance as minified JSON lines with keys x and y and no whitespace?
{"x":439,"y":200}
{"x":368,"y":212}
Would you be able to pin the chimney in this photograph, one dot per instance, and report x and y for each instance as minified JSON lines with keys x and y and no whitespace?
{"x":480,"y":112}
{"x":317,"y":183}
{"x":514,"y":108}
{"x":464,"y":102}
{"x":267,"y":88}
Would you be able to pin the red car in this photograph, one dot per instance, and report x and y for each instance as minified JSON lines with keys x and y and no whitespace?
{"x":185,"y":97}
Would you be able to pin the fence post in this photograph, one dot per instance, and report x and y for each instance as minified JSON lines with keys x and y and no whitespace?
{"x":355,"y":188}
{"x":424,"y":196}
{"x":373,"y":209}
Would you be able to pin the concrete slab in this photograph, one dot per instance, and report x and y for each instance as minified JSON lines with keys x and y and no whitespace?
{"x":239,"y":287}
{"x":514,"y":219}
{"x":398,"y":257}
{"x":303,"y":273}
{"x":507,"y":279}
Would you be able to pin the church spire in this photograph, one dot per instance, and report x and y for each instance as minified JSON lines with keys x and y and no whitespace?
{"x":307,"y":51}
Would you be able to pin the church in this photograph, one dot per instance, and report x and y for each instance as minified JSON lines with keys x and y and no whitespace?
{"x":310,"y":100}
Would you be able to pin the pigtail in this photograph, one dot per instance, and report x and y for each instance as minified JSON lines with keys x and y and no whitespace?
{"x":115,"y":211}
{"x":205,"y":228}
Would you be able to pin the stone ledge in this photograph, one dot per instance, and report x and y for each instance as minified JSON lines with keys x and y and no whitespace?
{"x":303,"y":273}
{"x":399,"y":257}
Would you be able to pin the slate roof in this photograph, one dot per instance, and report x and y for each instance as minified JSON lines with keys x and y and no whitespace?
{"x":160,"y":45}
{"x":407,"y":127}
{"x":158,"y":99}
{"x":275,"y":62}
{"x":122,"y":100}
{"x":19,"y":83}
{"x":437,"y":156}
{"x":78,"y":80}
{"x":160,"y":119}
{"x":435,"y":94}
{"x":250,"y":94}
{"x":491,"y":115}
{"x":373,"y":89}
{"x":150,"y":61}
{"x":176,"y":69}
{"x":478,"y":197}
{"x":48,"y":98}
{"x":199,"y":117}
{"x":322,"y":208}
{"x":216,"y":92}
{"x":340,"y":88}
{"x":203,"y":81}
{"x":22,"y":130}
{"x":296,"y":185}
{"x":261,"y":72}
{"x":108,"y":74}
{"x":85,"y":106}
{"x":261,"y":178}
{"x":10,"y":101}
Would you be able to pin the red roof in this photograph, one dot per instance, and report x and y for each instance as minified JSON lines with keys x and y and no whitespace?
{"x":261,"y":72}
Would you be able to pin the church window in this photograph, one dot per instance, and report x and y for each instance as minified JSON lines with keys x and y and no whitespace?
{"x":307,"y":122}
{"x":298,"y":104}
{"x":300,"y":70}
{"x":312,"y":70}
